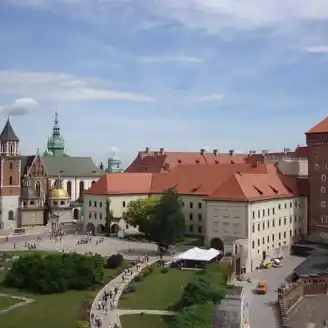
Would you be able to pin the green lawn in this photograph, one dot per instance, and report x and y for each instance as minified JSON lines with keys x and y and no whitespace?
{"x":158,"y":290}
{"x":144,"y":321}
{"x":196,"y":241}
{"x":5,"y":302}
{"x":54,"y":311}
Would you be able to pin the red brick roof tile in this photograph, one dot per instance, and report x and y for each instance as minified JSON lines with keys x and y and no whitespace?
{"x":321,"y":127}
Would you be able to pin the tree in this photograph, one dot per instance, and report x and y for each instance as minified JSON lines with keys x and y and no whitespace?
{"x":109,"y":218}
{"x":139,"y":213}
{"x":167,"y":221}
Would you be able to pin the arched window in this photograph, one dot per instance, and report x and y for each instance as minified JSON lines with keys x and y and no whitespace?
{"x":10,"y":181}
{"x":11,"y":165}
{"x":11,"y":149}
{"x":38,"y":188}
{"x":11,"y":215}
{"x":69,"y":187}
{"x":81,"y":189}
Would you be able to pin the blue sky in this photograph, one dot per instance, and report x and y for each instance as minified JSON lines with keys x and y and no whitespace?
{"x":178,"y":74}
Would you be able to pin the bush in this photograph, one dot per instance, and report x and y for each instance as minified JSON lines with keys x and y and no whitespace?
{"x":114,"y":261}
{"x":55,"y":273}
{"x":164,"y":270}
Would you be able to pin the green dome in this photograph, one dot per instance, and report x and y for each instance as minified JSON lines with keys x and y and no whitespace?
{"x":48,"y":153}
{"x":57,"y":142}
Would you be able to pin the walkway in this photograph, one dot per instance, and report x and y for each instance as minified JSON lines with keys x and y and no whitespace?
{"x":113,"y":316}
{"x":23,"y":301}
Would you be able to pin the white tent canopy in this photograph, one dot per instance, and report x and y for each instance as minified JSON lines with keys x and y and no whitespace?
{"x":198,"y":254}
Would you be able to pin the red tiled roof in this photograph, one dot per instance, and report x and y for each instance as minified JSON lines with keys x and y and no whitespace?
{"x":321,"y":127}
{"x":156,"y":161}
{"x":122,"y":183}
{"x":234,"y":182}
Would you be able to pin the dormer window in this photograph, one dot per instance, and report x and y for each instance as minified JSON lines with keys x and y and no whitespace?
{"x":197,"y":161}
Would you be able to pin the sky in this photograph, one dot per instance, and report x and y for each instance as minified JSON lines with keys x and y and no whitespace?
{"x":178,"y":74}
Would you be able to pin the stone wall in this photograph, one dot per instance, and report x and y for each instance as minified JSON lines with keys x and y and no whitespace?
{"x":289,"y":296}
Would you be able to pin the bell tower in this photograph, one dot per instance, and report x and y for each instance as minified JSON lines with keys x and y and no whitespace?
{"x":10,"y":171}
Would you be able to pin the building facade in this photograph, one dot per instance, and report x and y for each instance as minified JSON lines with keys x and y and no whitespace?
{"x":317,"y":141}
{"x":251,"y":211}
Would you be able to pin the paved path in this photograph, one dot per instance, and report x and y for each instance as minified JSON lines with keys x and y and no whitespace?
{"x":23,"y":301}
{"x":113,"y":316}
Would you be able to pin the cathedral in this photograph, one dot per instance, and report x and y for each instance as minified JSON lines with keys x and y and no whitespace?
{"x":44,"y":189}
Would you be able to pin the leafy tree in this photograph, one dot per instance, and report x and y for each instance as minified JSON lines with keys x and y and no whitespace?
{"x":167,"y":220}
{"x":139,"y":213}
{"x":109,"y":218}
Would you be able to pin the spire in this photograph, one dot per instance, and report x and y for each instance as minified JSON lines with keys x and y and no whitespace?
{"x":56,"y":128}
{"x":8,"y":133}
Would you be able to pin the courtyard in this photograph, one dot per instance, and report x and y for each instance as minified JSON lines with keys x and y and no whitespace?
{"x":262,"y":309}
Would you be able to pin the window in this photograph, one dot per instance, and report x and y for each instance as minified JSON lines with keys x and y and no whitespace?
{"x":268,"y":224}
{"x":263,"y":240}
{"x":290,"y":204}
{"x":268,"y":211}
{"x":191,"y":228}
{"x":323,"y":204}
{"x":253,"y":244}
{"x":279,"y":206}
{"x":100,"y":204}
{"x":69,"y":187}
{"x":268,"y":239}
{"x":273,"y":211}
{"x":81,"y":188}
{"x":11,"y":165}
{"x":327,"y":166}
{"x":190,"y":216}
{"x":199,"y":217}
{"x":273,"y":223}
{"x":279,"y":222}
{"x":263,"y":212}
{"x":95,"y":204}
{"x":316,"y":166}
{"x":253,"y":214}
{"x":258,"y":242}
{"x":279,"y":235}
{"x":199,"y":205}
{"x":90,"y":215}
{"x":290,"y":219}
{"x":90,"y":203}
{"x":272,"y":237}
{"x":324,"y":219}
{"x":10,"y":181}
{"x":123,"y":203}
{"x":95,"y":215}
{"x":285,"y":220}
{"x":11,"y":215}
{"x":191,"y":205}
{"x":263,"y":225}
{"x":253,"y":228}
{"x":323,"y":177}
{"x":258,"y":227}
{"x":258,"y":213}
{"x":199,"y":229}
{"x":62,"y":202}
{"x":285,"y":205}
{"x":284,"y":234}
{"x":38,"y":188}
{"x":100,"y":216}
{"x":323,"y":190}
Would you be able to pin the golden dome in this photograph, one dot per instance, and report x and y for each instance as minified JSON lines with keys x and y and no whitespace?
{"x":59,"y":193}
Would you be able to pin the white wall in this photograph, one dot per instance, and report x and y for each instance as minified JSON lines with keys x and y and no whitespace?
{"x":95,"y":208}
{"x":195,"y":211}
{"x":268,"y":226}
{"x":8,"y":203}
{"x":75,"y":193}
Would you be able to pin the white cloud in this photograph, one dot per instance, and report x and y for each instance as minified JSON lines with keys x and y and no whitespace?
{"x":19,"y":107}
{"x":212,"y":97}
{"x":167,"y":59}
{"x":316,"y":49}
{"x":239,"y":14}
{"x":61,"y":87}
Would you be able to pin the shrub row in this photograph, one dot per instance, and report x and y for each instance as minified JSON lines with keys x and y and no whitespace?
{"x":55,"y":273}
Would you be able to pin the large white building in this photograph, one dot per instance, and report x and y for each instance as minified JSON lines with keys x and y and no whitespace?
{"x":250,"y":210}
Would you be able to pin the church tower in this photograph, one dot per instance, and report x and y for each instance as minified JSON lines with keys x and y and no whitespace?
{"x":10,"y":168}
{"x":114,"y":164}
{"x":56,"y":143}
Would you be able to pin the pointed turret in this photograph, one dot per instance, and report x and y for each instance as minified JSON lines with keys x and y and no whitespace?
{"x":8,"y":133}
{"x":56,"y":144}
